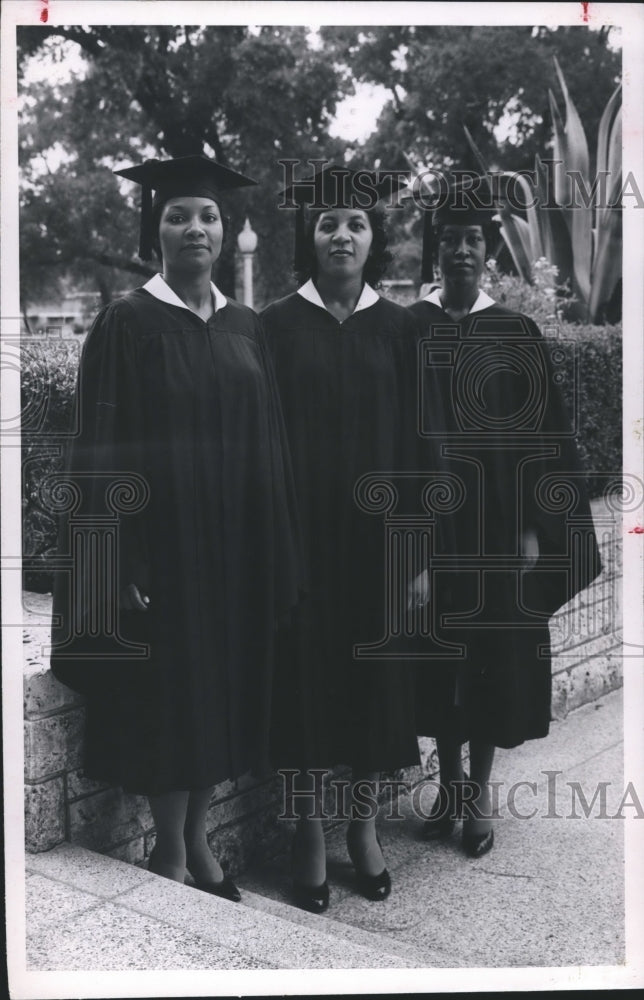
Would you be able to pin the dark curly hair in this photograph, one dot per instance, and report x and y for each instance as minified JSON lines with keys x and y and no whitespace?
{"x":156,"y":221}
{"x":379,"y":257}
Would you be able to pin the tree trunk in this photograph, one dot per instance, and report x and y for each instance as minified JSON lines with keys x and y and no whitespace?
{"x":25,"y":320}
{"x":104,"y":287}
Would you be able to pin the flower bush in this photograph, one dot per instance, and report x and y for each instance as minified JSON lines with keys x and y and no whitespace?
{"x":544,"y":300}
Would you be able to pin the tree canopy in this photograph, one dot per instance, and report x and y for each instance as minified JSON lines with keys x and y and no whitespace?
{"x":247,"y":97}
{"x":494,"y":80}
{"x":250,"y":96}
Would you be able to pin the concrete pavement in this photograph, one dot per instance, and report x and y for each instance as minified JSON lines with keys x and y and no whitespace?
{"x":549,"y":895}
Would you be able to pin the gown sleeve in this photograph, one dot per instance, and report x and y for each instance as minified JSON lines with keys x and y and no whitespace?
{"x":558,"y":508}
{"x":102,"y":537}
{"x":290,"y":582}
{"x":552,"y":489}
{"x":427,"y":423}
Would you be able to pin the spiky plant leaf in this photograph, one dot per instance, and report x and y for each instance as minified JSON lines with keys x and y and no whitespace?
{"x":606,"y":123}
{"x":607,"y":257}
{"x":570,"y":143}
{"x":516,"y":233}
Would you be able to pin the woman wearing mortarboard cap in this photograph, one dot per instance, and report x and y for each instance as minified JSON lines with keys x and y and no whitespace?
{"x":345,"y":365}
{"x":176,"y":397}
{"x":520,"y":553}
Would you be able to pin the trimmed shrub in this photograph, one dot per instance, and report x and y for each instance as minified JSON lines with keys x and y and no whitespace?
{"x":598,"y":357}
{"x":48,"y":377}
{"x":598,"y":406}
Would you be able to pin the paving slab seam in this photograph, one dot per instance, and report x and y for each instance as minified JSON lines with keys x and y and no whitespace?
{"x":150,"y":939}
{"x":174,"y":926}
{"x":62,"y":921}
{"x":178,"y":923}
{"x":69,"y":885}
{"x":586,"y":760}
{"x":84,"y":892}
{"x":580,"y":763}
{"x":389,"y":940}
{"x":316,"y":926}
{"x":107,"y":898}
{"x":531,"y":878}
{"x":332,"y":927}
{"x":214,"y":935}
{"x":599,"y":753}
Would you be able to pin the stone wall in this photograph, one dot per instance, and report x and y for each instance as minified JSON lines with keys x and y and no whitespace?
{"x":60,"y":804}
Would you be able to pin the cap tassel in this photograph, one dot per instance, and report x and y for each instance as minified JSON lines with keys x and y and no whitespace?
{"x":300,"y":238}
{"x":427,"y":266}
{"x":146,"y":235}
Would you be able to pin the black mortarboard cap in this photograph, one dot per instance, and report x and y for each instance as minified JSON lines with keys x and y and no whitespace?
{"x":337,"y":187}
{"x":185,"y":176}
{"x":465,"y":202}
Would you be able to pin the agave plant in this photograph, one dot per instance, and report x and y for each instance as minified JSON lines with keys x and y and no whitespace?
{"x":571,"y":219}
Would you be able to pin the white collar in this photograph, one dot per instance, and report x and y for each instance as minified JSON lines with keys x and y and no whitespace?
{"x":159,"y":287}
{"x":482,"y":302}
{"x":368,"y":296}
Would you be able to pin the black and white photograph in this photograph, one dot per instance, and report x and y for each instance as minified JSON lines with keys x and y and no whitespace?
{"x":322,"y":497}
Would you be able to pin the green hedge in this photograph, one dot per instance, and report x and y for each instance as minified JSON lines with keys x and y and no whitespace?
{"x":598,"y":351}
{"x":48,"y":378}
{"x":49,"y":373}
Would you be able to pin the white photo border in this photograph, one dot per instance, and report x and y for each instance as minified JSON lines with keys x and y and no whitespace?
{"x":26,"y":983}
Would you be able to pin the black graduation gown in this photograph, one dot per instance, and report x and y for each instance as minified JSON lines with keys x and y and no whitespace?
{"x":190,"y":410}
{"x":508,"y":437}
{"x":348,"y":399}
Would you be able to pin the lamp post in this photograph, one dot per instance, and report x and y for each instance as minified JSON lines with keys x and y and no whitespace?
{"x":247,"y":245}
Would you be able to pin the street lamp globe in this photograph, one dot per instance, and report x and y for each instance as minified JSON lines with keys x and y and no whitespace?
{"x":247,"y":239}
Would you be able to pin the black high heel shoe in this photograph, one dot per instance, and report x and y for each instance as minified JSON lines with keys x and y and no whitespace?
{"x":226,"y":889}
{"x":476,"y":845}
{"x":372,"y":887}
{"x":441,"y":821}
{"x":314,"y":899}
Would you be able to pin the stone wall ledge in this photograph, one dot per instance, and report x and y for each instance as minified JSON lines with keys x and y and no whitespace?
{"x":43,"y":695}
